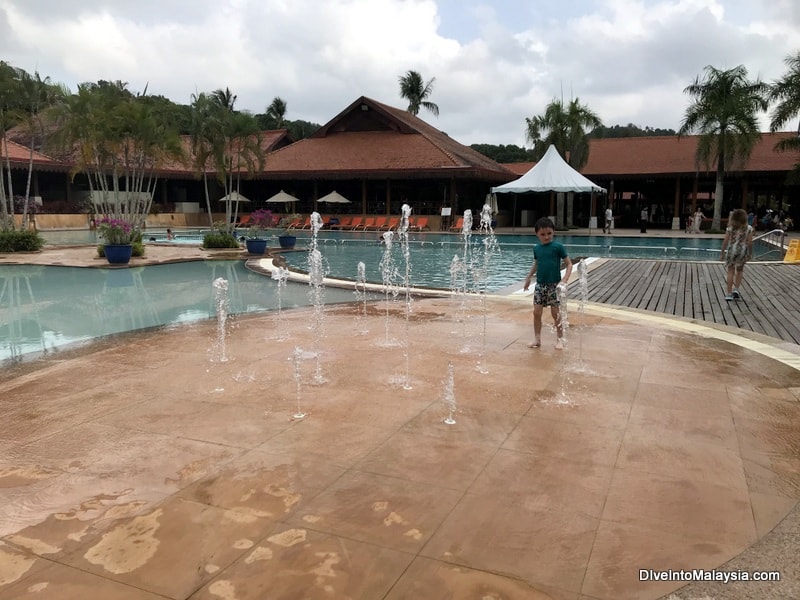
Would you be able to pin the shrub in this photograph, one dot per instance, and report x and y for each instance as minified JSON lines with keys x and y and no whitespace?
{"x":220,"y":239}
{"x":12,"y":240}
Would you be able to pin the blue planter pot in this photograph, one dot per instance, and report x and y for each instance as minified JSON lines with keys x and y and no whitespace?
{"x":287,"y":241}
{"x":118,"y":254}
{"x":256,"y":246}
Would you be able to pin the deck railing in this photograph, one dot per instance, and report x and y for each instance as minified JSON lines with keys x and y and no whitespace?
{"x":769,"y":245}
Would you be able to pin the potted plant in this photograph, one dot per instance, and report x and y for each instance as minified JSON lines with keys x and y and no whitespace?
{"x":118,"y":236}
{"x":287,"y":238}
{"x":256,"y":240}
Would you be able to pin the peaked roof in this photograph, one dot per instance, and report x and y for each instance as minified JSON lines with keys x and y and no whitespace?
{"x":19,"y":156}
{"x":551,"y":174}
{"x":371,"y":139}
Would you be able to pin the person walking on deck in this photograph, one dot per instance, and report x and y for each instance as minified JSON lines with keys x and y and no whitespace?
{"x":737,"y":249}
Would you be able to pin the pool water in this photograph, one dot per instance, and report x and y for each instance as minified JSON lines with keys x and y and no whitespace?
{"x":43,"y":308}
{"x":431,"y":255}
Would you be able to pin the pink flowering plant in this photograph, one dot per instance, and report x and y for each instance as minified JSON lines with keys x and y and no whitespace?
{"x":261,"y":219}
{"x":116,"y":231}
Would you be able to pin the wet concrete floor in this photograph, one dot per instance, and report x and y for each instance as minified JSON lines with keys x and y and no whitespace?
{"x":142,"y":467}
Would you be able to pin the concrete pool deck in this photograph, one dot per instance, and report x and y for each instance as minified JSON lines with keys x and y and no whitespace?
{"x":137,"y":468}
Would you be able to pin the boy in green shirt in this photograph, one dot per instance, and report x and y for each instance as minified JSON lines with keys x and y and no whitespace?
{"x":547,"y":268}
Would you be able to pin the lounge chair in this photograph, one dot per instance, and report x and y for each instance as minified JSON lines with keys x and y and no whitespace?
{"x":378,"y":224}
{"x":393,"y":223}
{"x":356,"y":223}
{"x":369,"y":224}
{"x":307,"y":223}
{"x":459,"y":224}
{"x":420,"y":224}
{"x":244,"y":220}
{"x":345,"y":222}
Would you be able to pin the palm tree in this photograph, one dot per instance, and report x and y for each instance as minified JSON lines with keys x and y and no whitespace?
{"x":565,"y":128}
{"x":119,"y":140}
{"x":224,"y":99}
{"x":413,"y":90}
{"x":786,"y":92}
{"x":235,"y":146}
{"x":202,"y":137}
{"x":9,"y":86}
{"x":36,"y":95}
{"x":725,"y":113}
{"x":276,"y":113}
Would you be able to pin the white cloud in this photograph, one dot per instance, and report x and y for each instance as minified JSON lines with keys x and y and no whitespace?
{"x":495,"y":63}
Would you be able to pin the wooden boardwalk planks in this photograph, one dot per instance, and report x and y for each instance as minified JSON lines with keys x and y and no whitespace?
{"x":770,"y":302}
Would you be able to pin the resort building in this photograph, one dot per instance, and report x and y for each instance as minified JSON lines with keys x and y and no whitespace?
{"x":380,"y":157}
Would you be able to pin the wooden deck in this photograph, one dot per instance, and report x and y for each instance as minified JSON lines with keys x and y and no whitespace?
{"x":770,"y":303}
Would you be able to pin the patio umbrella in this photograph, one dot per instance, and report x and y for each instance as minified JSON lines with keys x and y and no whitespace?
{"x":281,"y":197}
{"x":334,"y":198}
{"x":234,"y":197}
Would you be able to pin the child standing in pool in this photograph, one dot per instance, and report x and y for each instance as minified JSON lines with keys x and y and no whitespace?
{"x":737,"y":248}
{"x":548,"y":256}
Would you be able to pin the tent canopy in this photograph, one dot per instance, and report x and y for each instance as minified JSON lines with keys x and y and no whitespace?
{"x":551,"y":174}
{"x":282,"y":197}
{"x":334,"y":198}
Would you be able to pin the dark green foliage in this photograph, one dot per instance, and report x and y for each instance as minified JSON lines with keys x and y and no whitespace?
{"x":220,"y":239}
{"x":300,"y":130}
{"x":503,"y":153}
{"x":20,"y":241}
{"x":628,"y":131}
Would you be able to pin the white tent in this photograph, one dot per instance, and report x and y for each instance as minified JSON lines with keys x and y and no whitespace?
{"x":281,"y":197}
{"x":334,"y":198}
{"x":551,"y":174}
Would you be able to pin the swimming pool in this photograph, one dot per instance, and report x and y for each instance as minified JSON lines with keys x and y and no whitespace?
{"x":431,"y":254}
{"x":43,"y":308}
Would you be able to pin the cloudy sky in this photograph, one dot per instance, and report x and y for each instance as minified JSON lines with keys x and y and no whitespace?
{"x":495,"y":62}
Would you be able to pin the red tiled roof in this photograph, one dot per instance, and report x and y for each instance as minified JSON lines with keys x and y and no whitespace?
{"x":372,"y":139}
{"x":19,"y":154}
{"x":20,"y":157}
{"x":270,"y":140}
{"x":519,"y":168}
{"x":672,"y":155}
{"x":667,"y":155}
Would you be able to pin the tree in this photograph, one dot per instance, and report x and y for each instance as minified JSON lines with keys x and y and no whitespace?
{"x":628,"y":131}
{"x":235,"y":145}
{"x":504,"y":154}
{"x":564,"y":128}
{"x":724,"y":111}
{"x":9,"y":86}
{"x":202,"y":139}
{"x":417,"y":93}
{"x":36,"y":95}
{"x":299,"y":130}
{"x":786,"y":92}
{"x":118,"y":140}
{"x":276,"y":113}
